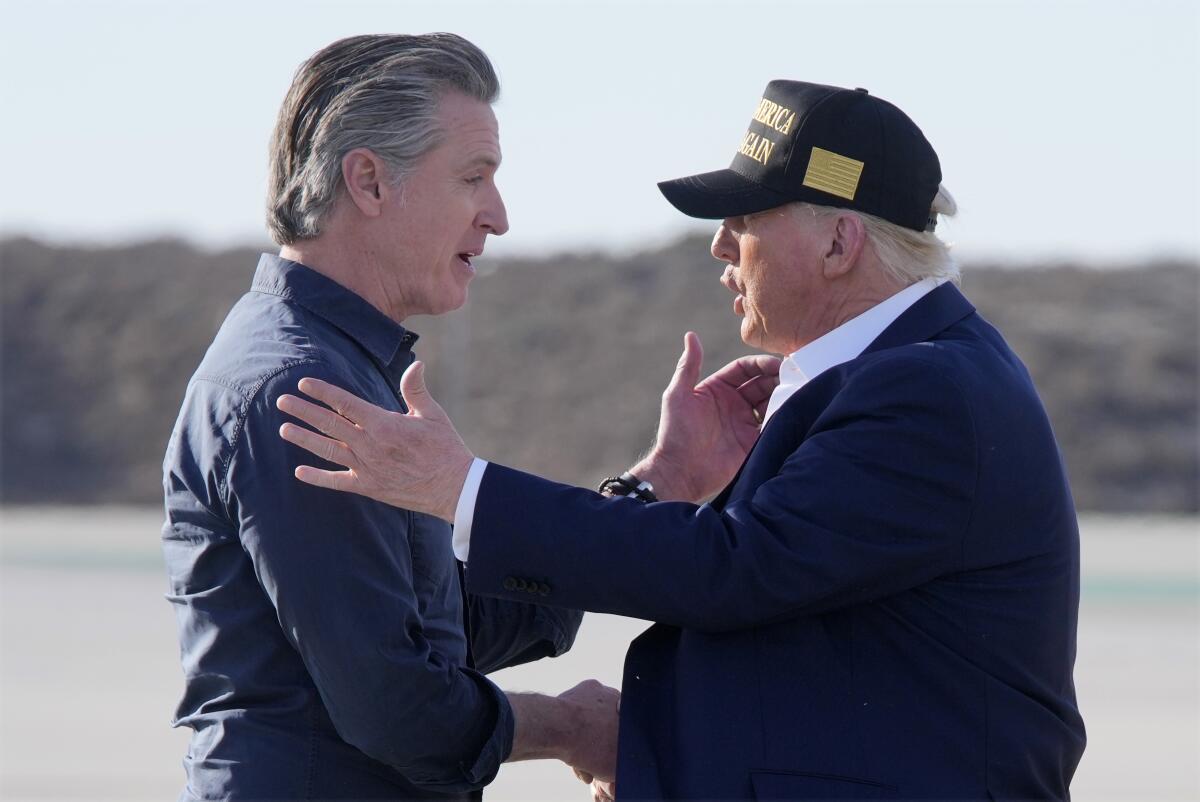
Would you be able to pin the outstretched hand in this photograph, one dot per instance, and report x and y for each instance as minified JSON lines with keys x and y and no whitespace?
{"x":706,"y":428}
{"x":414,"y":460}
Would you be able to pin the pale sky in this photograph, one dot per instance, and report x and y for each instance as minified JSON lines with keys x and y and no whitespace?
{"x":1065,"y":129}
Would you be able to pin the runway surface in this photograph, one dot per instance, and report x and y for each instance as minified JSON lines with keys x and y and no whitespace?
{"x":89,"y":670}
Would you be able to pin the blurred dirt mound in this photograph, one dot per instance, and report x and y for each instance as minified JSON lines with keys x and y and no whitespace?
{"x":556,"y":365}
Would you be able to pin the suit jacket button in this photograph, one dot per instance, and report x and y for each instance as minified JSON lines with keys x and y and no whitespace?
{"x":510,"y":583}
{"x":543,"y":589}
{"x":522,"y":584}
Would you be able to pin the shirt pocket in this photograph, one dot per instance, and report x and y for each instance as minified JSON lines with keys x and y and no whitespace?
{"x":433,"y":561}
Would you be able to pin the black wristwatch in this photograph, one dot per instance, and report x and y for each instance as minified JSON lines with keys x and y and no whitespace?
{"x":628,"y":485}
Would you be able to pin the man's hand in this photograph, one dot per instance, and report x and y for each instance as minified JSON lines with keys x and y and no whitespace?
{"x":601,"y":791}
{"x":705,"y":430}
{"x":416,"y":460}
{"x":592,"y":750}
{"x":578,"y":727}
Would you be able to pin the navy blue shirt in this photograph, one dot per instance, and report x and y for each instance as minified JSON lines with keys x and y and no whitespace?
{"x":328,"y":648}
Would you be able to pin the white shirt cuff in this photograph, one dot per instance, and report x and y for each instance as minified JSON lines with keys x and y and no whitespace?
{"x":464,"y":513}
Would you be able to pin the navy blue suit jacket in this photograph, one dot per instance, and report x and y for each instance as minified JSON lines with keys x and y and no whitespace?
{"x":882,"y":604}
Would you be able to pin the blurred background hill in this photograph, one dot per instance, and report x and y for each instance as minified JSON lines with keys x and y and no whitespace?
{"x":556,"y":364}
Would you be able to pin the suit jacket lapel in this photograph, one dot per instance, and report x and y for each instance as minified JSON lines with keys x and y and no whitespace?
{"x":937,"y":311}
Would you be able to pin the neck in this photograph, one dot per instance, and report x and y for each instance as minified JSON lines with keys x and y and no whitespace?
{"x":849,"y":296}
{"x":855,"y":301}
{"x":349,"y":263}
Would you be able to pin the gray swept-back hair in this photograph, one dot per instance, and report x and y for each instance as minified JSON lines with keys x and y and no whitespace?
{"x":378,"y":92}
{"x":908,"y":255}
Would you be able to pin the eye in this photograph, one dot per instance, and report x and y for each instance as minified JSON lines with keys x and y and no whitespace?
{"x":476,"y":179}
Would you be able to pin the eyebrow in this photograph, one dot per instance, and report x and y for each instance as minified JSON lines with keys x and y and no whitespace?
{"x":485,"y":161}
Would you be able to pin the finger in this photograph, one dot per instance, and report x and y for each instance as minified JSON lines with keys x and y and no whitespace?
{"x":754,"y":365}
{"x":326,"y":448}
{"x":344,"y":403}
{"x":416,"y":394}
{"x":760,"y":410}
{"x":687,"y":371}
{"x":745,"y":368}
{"x":334,"y":480}
{"x":320,"y":418}
{"x":758,"y":390}
{"x":583,"y":775}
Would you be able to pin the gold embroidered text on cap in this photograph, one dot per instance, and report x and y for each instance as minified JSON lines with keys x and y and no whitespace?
{"x":833,"y":173}
{"x":757,"y":147}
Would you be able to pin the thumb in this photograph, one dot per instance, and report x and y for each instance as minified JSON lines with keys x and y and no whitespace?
{"x":687,"y":372}
{"x":416,"y":395}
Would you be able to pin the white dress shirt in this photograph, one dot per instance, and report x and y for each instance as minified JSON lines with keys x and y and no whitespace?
{"x":843,"y":344}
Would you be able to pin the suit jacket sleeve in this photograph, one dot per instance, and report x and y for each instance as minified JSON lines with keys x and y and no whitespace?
{"x":875,"y":498}
{"x":509,"y":633}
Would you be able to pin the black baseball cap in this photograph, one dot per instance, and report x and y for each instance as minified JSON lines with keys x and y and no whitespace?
{"x":823,"y":145}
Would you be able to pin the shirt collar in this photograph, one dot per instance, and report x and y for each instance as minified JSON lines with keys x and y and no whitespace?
{"x":389,"y":343}
{"x":843,"y":344}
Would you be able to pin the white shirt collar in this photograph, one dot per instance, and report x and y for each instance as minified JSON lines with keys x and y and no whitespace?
{"x":843,"y":344}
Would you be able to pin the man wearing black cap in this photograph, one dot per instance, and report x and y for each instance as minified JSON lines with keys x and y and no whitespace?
{"x":881,"y":600}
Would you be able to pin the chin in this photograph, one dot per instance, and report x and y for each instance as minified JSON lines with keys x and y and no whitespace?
{"x":757,"y":339}
{"x":453,"y":304}
{"x":750,"y":335}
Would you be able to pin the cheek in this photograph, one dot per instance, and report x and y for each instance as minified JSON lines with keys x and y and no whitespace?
{"x":754,"y":284}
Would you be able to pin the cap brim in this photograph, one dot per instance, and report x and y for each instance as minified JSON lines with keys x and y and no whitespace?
{"x":720,"y":194}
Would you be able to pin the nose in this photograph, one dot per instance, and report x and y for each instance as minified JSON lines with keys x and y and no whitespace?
{"x":493,"y":218}
{"x":724,"y":245}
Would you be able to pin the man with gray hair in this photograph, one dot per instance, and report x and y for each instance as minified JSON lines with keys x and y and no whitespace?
{"x":881,"y":599}
{"x":329,"y":648}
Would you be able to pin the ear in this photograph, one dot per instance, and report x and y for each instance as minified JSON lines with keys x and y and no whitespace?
{"x":849,"y":235}
{"x":364,"y":177}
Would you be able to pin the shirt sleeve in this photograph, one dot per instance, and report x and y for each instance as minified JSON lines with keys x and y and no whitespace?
{"x":338,"y":569}
{"x":464,"y":513}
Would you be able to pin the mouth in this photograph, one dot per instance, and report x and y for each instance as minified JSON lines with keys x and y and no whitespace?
{"x":731,"y":284}
{"x":466,"y":256}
